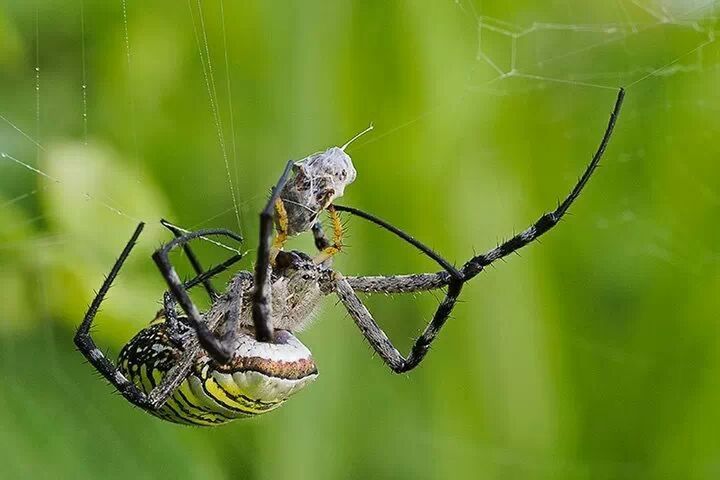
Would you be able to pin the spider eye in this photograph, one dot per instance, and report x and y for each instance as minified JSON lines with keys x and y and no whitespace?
{"x":306,"y":276}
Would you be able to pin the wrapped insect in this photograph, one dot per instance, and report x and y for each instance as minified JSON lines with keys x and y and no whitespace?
{"x":317,"y":180}
{"x":306,"y":188}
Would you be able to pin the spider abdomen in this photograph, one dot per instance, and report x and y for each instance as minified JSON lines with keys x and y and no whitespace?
{"x":258,"y":379}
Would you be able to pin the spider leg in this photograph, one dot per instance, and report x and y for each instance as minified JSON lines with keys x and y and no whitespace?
{"x":372,"y":331}
{"x":430,"y":281}
{"x":212,"y":272}
{"x":89,"y":349}
{"x":179,"y":372}
{"x":261,"y":314}
{"x":379,"y":340}
{"x":450,"y":277}
{"x":203,"y":277}
{"x":282,"y":229}
{"x":476,"y":264}
{"x":174,"y":329}
{"x":197,"y":266}
{"x":405,"y":236}
{"x":392,"y":284}
{"x":238,"y":290}
{"x":159,"y":395}
{"x":206,"y":337}
{"x":331,"y":249}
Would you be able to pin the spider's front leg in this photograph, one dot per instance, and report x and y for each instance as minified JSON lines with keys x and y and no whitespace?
{"x":430,"y":281}
{"x":213,"y":345}
{"x":159,"y":395}
{"x":261,"y":305}
{"x":450,"y":277}
{"x":89,"y":349}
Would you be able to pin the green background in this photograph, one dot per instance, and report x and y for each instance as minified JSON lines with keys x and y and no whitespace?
{"x":593,"y":355}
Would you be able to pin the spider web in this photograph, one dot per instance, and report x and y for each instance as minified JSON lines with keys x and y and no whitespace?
{"x":550,"y":52}
{"x":62,"y":183}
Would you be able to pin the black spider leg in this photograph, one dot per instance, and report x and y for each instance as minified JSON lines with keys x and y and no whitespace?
{"x":214,"y":346}
{"x":197,"y":266}
{"x":377,"y":337}
{"x":476,"y":264}
{"x":213,"y":272}
{"x":173,"y":322}
{"x":372,"y":331}
{"x":430,"y":281}
{"x":408,"y":238}
{"x":89,"y":349}
{"x":262,"y":318}
{"x":202,"y":277}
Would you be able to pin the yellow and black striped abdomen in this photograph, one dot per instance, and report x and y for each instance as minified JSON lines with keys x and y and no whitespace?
{"x":259,"y":378}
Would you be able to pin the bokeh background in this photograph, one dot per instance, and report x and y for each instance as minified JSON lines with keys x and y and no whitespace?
{"x":592,"y":355}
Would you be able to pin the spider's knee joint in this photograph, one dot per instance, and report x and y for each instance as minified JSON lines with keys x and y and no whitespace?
{"x":81,"y":340}
{"x":403,"y":367}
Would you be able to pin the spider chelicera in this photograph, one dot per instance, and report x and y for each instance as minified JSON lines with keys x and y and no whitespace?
{"x":240,"y":358}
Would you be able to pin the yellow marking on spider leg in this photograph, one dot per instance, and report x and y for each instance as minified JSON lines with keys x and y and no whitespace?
{"x":338,"y":233}
{"x":282,"y":227}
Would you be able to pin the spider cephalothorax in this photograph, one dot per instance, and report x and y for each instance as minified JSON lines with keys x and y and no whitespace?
{"x":240,"y":357}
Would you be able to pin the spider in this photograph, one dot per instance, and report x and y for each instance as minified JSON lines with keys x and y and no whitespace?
{"x":240,"y":358}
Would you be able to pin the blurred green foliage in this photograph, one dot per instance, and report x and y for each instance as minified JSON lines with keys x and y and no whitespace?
{"x":594,"y":355}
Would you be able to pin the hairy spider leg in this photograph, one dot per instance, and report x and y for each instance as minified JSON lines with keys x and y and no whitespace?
{"x":450,"y":277}
{"x":84,"y":342}
{"x":282,"y":234}
{"x":372,"y":331}
{"x":405,"y":236}
{"x":197,"y":266}
{"x":218,"y":349}
{"x":261,"y":315}
{"x":547,"y":221}
{"x":379,"y":340}
{"x":169,"y":312}
{"x":213,"y":272}
{"x":330,"y":250}
{"x":89,"y":349}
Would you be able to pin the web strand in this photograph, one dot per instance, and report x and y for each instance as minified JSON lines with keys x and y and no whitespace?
{"x":131,"y":97}
{"x":204,"y":53}
{"x":233,"y":136}
{"x":83,"y":62}
{"x":519,"y":67}
{"x":58,"y":181}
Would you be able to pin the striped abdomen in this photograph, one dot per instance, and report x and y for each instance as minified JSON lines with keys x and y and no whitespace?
{"x":259,"y":378}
